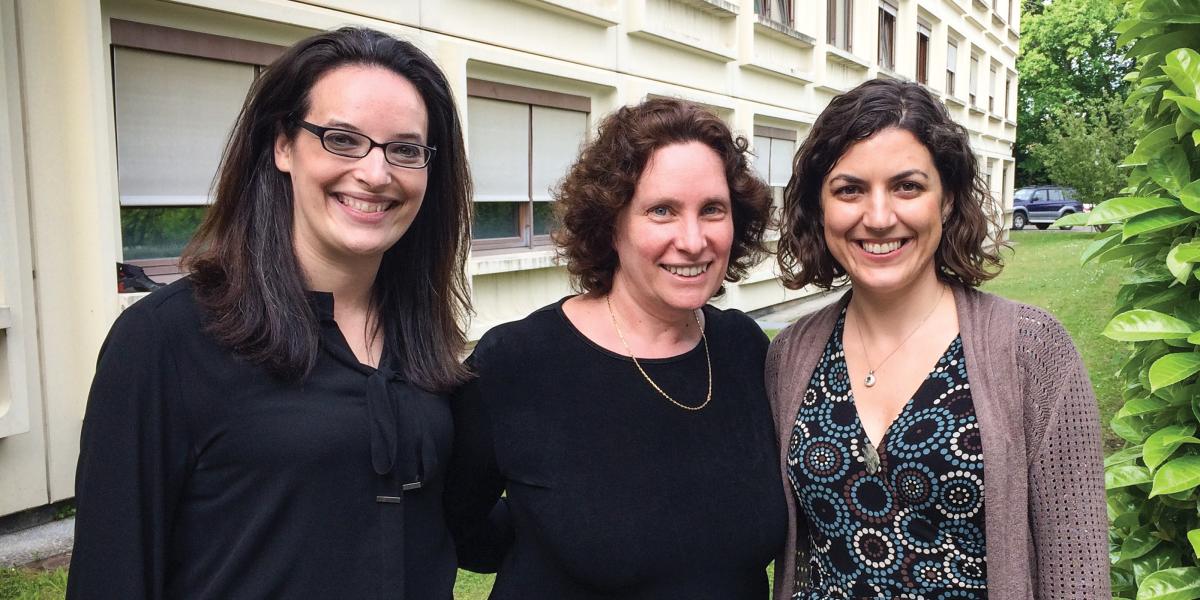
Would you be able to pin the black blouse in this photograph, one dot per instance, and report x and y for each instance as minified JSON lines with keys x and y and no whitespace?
{"x":202,"y":476}
{"x":612,"y":491}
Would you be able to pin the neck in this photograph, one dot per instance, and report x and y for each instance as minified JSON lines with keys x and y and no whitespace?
{"x":888,"y":314}
{"x":350,"y":282}
{"x":649,"y":324}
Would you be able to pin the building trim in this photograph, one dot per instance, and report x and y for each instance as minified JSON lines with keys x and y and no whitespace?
{"x":143,"y":36}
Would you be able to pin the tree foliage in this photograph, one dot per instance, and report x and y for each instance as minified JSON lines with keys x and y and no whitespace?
{"x":1154,"y":482}
{"x":1085,"y":148}
{"x":1069,"y":62}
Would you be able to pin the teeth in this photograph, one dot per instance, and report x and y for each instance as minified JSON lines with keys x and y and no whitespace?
{"x":687,"y":271}
{"x":361,"y":206}
{"x":874,"y":248}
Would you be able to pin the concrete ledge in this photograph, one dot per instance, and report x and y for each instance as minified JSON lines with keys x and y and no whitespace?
{"x":39,"y":543}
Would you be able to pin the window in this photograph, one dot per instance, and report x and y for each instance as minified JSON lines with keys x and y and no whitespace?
{"x":521,"y":142}
{"x":1010,"y":12}
{"x":1003,"y":179}
{"x":839,"y":23}
{"x":176,"y":95}
{"x":887,"y":36}
{"x":992,"y":91}
{"x":774,"y":148}
{"x":922,"y":53}
{"x":1007,"y":94}
{"x":1056,"y":195}
{"x":974,"y":82}
{"x":779,"y":11}
{"x":951,"y":65}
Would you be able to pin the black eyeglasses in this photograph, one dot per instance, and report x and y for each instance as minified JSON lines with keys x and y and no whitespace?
{"x":356,"y":145}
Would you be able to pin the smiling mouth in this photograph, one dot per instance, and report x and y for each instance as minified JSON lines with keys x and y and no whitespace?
{"x":882,"y":247}
{"x":686,"y":271}
{"x":362,"y":205}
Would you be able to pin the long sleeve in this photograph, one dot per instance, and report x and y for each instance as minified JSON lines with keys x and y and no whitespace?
{"x":1067,"y":512}
{"x":132,"y":464}
{"x":475,"y":512}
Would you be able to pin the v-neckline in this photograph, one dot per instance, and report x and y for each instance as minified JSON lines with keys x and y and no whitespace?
{"x":839,"y":331}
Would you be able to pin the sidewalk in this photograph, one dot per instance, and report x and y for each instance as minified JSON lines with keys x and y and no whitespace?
{"x":37,"y":544}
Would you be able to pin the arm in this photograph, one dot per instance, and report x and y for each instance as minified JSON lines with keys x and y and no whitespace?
{"x":132,"y":462}
{"x":475,"y":512}
{"x":1067,"y":512}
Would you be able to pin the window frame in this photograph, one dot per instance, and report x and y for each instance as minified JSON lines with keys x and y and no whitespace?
{"x":923,"y":41}
{"x":135,"y":35}
{"x":831,"y":28}
{"x":952,"y":67}
{"x":764,"y":9}
{"x":888,"y":15}
{"x":531,"y":97}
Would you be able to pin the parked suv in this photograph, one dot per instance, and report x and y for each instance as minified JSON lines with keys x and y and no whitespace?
{"x":1043,"y":205}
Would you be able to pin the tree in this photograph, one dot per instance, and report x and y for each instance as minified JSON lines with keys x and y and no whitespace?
{"x":1069,"y":62}
{"x":1084,"y":148}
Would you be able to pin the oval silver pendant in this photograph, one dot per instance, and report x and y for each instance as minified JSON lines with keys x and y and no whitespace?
{"x":870,"y":457}
{"x":870,"y":379}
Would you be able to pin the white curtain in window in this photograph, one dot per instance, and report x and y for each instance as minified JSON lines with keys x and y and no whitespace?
{"x":762,"y":157}
{"x":952,"y":57}
{"x":498,"y":141}
{"x":173,"y":117}
{"x":557,"y":136}
{"x":781,"y":161}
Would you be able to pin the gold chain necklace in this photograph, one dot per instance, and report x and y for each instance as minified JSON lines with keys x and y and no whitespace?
{"x":870,"y":379}
{"x":707,"y":360}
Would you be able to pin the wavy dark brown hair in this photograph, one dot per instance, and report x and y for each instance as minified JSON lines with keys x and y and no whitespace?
{"x":969,"y":251}
{"x":242,"y":260}
{"x":602,"y":182}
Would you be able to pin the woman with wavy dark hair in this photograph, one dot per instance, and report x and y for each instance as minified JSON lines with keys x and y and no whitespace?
{"x":938,"y":442}
{"x":275,"y":425}
{"x":628,"y":425}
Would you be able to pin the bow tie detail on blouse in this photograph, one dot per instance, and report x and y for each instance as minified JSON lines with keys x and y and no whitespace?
{"x":400,"y":443}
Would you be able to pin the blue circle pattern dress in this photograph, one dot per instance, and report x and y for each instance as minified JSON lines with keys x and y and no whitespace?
{"x":914,"y":529}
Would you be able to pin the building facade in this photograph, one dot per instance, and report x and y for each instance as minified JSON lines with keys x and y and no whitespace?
{"x":114,"y":114}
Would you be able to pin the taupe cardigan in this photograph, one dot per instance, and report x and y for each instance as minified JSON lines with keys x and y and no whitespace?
{"x":1045,"y":521}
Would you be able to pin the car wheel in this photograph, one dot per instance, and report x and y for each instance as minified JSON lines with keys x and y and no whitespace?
{"x":1042,"y":226}
{"x":1066,"y":227}
{"x":1019,"y":220}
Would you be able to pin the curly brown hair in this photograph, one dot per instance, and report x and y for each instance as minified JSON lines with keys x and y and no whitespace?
{"x":969,"y":251}
{"x":602,"y":182}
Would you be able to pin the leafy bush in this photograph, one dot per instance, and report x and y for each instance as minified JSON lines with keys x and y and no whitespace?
{"x":1154,"y":482}
{"x":1085,"y":148}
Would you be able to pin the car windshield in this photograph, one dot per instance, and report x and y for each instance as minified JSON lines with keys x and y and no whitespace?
{"x":1024,"y":194}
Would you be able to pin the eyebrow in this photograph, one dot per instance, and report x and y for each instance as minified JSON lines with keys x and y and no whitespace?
{"x":897,"y":177}
{"x":399,"y":137}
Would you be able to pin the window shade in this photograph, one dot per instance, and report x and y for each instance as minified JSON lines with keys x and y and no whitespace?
{"x":498,"y":137}
{"x":781,"y":161}
{"x":173,"y":117}
{"x":557,"y":136}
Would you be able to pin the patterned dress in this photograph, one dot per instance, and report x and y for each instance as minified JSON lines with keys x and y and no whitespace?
{"x":914,"y":529}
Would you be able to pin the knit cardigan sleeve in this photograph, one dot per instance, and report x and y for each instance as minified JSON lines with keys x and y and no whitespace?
{"x":1068,"y":519}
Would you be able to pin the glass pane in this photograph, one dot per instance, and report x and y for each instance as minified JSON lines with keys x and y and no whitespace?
{"x":159,"y":231}
{"x":497,"y":220}
{"x":543,"y":218}
{"x":557,"y":135}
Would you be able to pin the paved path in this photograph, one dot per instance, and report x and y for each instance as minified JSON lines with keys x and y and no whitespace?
{"x":37,"y":543}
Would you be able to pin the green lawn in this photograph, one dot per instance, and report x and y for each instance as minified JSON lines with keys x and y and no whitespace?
{"x":1043,"y":269}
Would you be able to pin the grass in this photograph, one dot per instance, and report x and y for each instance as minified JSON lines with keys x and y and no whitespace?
{"x":1043,"y":269}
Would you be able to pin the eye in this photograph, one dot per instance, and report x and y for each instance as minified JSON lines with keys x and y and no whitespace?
{"x":714,"y":209}
{"x":910,"y":187}
{"x":342,"y":141}
{"x":404,"y":151}
{"x":659,"y":211}
{"x":847,"y":191}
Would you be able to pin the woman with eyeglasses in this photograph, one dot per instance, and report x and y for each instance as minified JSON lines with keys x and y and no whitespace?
{"x":275,"y":425}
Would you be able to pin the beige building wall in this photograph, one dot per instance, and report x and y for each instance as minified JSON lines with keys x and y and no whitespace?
{"x":767,"y":71}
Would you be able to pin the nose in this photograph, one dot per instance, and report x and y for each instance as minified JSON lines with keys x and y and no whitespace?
{"x":690,"y":238}
{"x":879,"y":213}
{"x":373,"y":170}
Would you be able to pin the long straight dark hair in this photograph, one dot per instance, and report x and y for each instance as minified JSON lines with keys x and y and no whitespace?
{"x":242,"y":260}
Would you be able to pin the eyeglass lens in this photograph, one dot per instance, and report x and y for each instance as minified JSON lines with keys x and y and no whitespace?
{"x":353,"y":145}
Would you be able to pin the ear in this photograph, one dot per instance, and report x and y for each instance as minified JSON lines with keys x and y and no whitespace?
{"x":947,"y":208}
{"x":283,"y":153}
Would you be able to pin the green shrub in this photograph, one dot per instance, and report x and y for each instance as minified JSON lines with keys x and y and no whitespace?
{"x":1154,"y":482}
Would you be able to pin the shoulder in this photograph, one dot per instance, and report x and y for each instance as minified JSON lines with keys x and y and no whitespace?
{"x":1032,"y":328}
{"x":515,"y":338}
{"x":800,"y":333}
{"x":166,"y":313}
{"x":733,"y":326}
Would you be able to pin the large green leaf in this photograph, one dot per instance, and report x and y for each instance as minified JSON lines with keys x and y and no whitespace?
{"x":1161,"y":43}
{"x":1173,"y":368}
{"x":1151,"y":145}
{"x":1183,"y":67}
{"x":1072,"y":220}
{"x":1180,"y":583}
{"x":1194,"y":538}
{"x":1170,"y":169}
{"x":1196,"y":137}
{"x":1125,"y":476}
{"x":1190,"y":196}
{"x":1141,"y":324}
{"x":1131,"y":29}
{"x":1095,"y":247}
{"x":1163,"y":218}
{"x":1122,"y":456}
{"x":1179,"y":475}
{"x":1140,"y":406}
{"x":1180,"y":259}
{"x":1139,"y":542}
{"x":1162,"y":443}
{"x":1119,"y":209}
{"x":1189,"y":106}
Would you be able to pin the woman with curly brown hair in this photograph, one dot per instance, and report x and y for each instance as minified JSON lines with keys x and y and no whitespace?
{"x":938,"y":442}
{"x":628,"y":426}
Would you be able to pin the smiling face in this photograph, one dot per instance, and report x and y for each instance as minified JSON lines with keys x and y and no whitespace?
{"x":674,"y":236}
{"x":883,"y":208}
{"x":349,"y":209}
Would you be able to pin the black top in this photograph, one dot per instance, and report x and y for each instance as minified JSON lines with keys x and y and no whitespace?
{"x":202,"y":476}
{"x":612,"y":491}
{"x":912,"y":529}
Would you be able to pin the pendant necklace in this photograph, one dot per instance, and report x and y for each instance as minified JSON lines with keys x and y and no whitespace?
{"x":646,"y":376}
{"x":870,"y":379}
